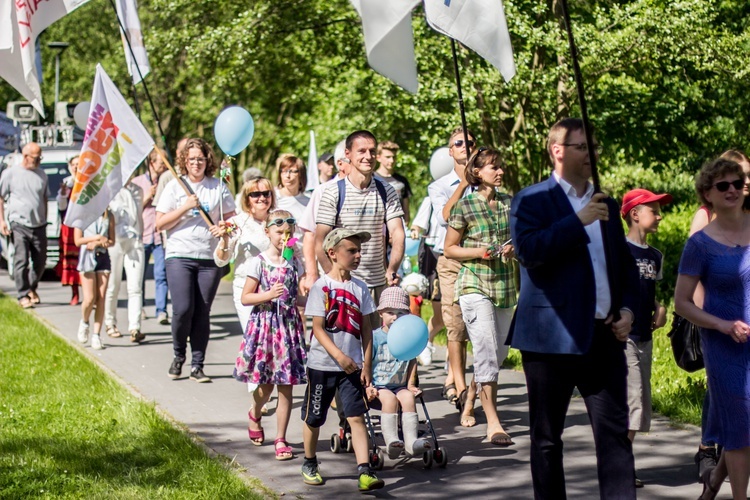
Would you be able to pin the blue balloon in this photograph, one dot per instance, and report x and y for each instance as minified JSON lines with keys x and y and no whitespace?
{"x":234,"y":129}
{"x":412,"y":247}
{"x":407,"y":337}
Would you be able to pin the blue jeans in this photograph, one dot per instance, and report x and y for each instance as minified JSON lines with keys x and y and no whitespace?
{"x":160,"y":276}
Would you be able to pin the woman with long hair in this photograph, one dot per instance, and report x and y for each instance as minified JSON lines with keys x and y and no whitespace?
{"x":67,"y":267}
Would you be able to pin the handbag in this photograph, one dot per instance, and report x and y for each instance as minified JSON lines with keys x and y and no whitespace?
{"x":686,"y":344}
{"x":86,"y":260}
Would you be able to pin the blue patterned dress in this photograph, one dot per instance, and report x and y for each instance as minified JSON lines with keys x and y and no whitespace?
{"x":725,"y":274}
{"x":273,"y":347}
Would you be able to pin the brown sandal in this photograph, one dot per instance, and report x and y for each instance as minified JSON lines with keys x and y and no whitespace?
{"x":113,"y":332}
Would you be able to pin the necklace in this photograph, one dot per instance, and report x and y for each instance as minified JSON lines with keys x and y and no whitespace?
{"x":733,"y":242}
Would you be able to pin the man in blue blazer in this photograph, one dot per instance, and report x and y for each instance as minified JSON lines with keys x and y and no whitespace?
{"x":574,"y":314}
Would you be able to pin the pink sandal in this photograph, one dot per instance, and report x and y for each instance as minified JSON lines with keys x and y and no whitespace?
{"x":285,"y":452}
{"x":256,"y":437}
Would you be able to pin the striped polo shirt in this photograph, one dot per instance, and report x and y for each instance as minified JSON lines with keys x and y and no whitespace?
{"x":363,"y":210}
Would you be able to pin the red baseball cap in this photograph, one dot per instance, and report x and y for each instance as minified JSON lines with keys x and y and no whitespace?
{"x":637,"y":197}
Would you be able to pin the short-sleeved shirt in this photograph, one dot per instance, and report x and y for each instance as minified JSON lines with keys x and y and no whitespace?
{"x":190,"y":237}
{"x":387,"y":371}
{"x":307,"y":221}
{"x":342,"y":305}
{"x":150,"y":234}
{"x":399,"y":183}
{"x":649,"y":261}
{"x":363,"y":210}
{"x":483,"y":226}
{"x":25,"y":195}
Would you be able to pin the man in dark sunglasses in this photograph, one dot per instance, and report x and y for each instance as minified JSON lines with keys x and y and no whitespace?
{"x":444,"y":193}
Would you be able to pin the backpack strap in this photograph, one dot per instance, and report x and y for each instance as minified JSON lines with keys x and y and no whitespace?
{"x":341,"y":183}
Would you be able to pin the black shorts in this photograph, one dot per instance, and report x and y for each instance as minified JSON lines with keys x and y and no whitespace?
{"x":427,"y":259}
{"x":103,"y":263}
{"x":321,"y":388}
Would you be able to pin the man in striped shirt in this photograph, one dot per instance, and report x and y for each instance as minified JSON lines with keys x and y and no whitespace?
{"x":368,"y":205}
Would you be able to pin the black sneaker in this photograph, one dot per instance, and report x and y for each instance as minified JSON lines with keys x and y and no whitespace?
{"x":176,"y":369}
{"x":706,"y":459}
{"x":198,"y":375}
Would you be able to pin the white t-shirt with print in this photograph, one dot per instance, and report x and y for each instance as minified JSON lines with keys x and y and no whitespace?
{"x":348,"y":302}
{"x":190,"y":237}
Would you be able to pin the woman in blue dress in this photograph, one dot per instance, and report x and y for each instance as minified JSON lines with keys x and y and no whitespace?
{"x":718,"y":257}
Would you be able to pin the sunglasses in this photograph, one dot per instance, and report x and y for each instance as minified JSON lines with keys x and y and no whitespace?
{"x":723,"y":186}
{"x":460,"y":142}
{"x":258,"y":194}
{"x":281,"y":222}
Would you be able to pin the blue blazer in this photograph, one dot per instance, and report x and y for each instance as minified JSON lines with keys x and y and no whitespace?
{"x":557,"y":301}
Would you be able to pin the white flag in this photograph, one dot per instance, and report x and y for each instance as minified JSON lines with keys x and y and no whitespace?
{"x":478,"y":24}
{"x":127,"y":11}
{"x":389,"y":40}
{"x":313,"y":179}
{"x":114,"y":145}
{"x":20,"y":25}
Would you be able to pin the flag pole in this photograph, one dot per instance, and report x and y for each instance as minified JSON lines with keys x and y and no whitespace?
{"x":140,"y":75}
{"x":461,"y":108}
{"x":587,"y":129}
{"x":185,"y":186}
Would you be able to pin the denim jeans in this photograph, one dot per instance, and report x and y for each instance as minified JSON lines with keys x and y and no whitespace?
{"x":160,"y":276}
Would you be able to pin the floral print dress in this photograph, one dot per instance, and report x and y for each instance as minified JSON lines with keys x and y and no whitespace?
{"x":273,"y":347}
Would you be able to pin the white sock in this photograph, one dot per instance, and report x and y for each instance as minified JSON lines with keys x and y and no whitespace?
{"x":389,"y":426}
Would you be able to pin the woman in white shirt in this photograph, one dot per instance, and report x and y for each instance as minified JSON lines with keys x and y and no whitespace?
{"x":192,"y":275}
{"x":291,"y":177}
{"x":248,"y":238}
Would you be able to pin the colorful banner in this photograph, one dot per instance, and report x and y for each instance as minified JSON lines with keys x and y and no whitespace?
{"x":20,"y":25}
{"x":114,"y":145}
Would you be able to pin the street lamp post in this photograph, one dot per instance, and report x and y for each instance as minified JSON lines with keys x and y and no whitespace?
{"x":60,"y":47}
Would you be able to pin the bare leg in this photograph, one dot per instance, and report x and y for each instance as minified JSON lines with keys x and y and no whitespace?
{"x":283,"y":409}
{"x":457,"y":360}
{"x":467,"y":413}
{"x":359,"y":439}
{"x":310,"y":436}
{"x":101,"y":292}
{"x":436,"y":321}
{"x":738,"y":468}
{"x":88,"y":285}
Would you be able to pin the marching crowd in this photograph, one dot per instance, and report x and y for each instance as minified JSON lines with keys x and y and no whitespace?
{"x":549,"y":271}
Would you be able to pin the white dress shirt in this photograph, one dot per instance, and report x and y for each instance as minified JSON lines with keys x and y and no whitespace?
{"x":595,"y":246}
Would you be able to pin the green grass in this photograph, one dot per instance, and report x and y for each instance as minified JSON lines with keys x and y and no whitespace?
{"x":676,"y":394}
{"x":68,"y":430}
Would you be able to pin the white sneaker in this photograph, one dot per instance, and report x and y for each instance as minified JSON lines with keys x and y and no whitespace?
{"x":425,"y":358}
{"x":96,"y":342}
{"x":83,"y":332}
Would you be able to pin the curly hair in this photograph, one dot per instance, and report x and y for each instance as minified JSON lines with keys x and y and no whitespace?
{"x":711,"y":171}
{"x":255,"y":185}
{"x":205,"y":149}
{"x":287,"y":161}
{"x":480,"y":159}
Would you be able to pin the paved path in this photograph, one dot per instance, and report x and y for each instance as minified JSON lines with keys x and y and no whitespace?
{"x":216,"y":412}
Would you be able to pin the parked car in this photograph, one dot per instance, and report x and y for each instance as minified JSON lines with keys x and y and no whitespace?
{"x":55,"y":165}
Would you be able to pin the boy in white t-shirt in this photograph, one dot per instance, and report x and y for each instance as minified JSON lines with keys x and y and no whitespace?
{"x":340,"y":355}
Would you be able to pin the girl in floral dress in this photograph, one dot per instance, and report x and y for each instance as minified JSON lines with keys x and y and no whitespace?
{"x":272,"y":352}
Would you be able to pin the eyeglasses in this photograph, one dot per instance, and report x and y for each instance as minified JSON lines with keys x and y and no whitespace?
{"x":582,"y":147}
{"x":258,"y":194}
{"x":460,"y":142}
{"x":290,"y":172}
{"x":723,"y":186}
{"x":281,"y":222}
{"x":194,"y":161}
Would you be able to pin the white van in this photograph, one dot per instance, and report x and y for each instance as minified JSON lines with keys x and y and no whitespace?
{"x":55,"y":165}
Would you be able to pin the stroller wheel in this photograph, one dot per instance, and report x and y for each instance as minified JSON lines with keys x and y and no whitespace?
{"x":441,"y":457}
{"x":348,"y":442}
{"x":335,"y":443}
{"x":377,"y":459}
{"x":427,"y":459}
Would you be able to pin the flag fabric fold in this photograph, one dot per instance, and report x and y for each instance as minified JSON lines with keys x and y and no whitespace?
{"x":478,"y":24}
{"x":114,"y":145}
{"x":127,"y":11}
{"x":21,"y":22}
{"x":389,"y":40}
{"x":313,"y":180}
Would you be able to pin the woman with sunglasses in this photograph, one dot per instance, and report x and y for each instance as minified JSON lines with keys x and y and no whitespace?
{"x":272,"y":352}
{"x":718,"y":258}
{"x":247,"y":238}
{"x":192,"y":274}
{"x":478,"y":236}
{"x":290,"y":190}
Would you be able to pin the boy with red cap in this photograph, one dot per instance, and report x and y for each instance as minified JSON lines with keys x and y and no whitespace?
{"x":641,"y":210}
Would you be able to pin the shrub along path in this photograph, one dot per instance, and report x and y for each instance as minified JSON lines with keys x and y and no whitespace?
{"x":216,"y":413}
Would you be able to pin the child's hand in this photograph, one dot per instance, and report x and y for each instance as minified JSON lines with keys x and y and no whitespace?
{"x":371,"y":393}
{"x":347,"y":364}
{"x":415,"y":390}
{"x":276,"y":290}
